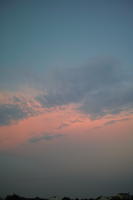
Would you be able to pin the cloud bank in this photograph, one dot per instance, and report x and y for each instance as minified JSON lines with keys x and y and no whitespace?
{"x":102,"y":87}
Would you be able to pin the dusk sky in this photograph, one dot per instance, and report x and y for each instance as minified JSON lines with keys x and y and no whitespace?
{"x":66,"y":97}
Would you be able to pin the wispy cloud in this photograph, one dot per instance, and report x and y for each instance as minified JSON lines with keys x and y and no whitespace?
{"x":115,"y":121}
{"x":63,"y":125}
{"x":45,"y":137}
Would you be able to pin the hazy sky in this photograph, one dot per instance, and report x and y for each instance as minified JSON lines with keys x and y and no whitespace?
{"x":66,"y":97}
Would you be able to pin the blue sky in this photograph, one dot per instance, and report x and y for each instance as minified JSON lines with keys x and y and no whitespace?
{"x":38,"y":35}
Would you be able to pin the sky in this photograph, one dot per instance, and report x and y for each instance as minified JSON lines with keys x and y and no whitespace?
{"x":66,"y":97}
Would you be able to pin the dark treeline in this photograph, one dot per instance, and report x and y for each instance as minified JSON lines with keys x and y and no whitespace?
{"x":120,"y":196}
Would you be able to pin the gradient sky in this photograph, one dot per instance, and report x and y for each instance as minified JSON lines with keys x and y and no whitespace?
{"x":66,"y":97}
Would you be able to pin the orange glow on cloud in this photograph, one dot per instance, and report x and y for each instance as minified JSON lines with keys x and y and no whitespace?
{"x":60,"y":120}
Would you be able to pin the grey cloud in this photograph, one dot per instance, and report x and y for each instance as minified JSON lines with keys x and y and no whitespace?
{"x":71,"y":85}
{"x":45,"y":137}
{"x":102,"y":87}
{"x":10,"y":113}
{"x":13,"y":112}
{"x":110,"y":100}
